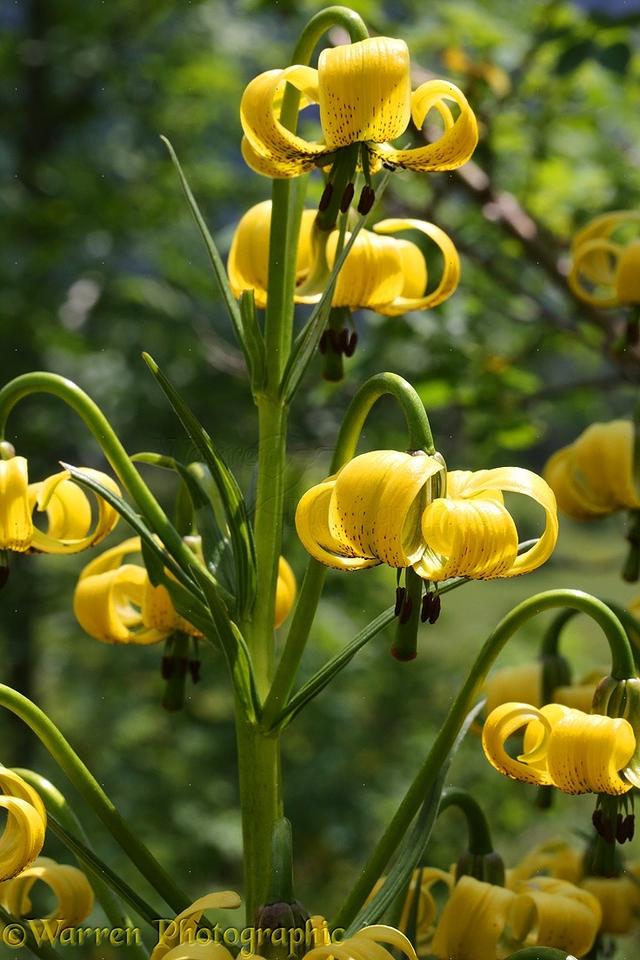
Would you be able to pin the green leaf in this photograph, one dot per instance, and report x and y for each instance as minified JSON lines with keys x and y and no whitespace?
{"x":245,"y":337}
{"x":415,"y":842}
{"x":615,"y":58}
{"x":232,"y":500}
{"x":182,"y":599}
{"x":307,"y":341}
{"x":254,"y":340}
{"x":574,"y":56}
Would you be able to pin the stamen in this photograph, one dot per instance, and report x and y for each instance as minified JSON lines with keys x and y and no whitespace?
{"x":350,"y":348}
{"x":367,"y":200}
{"x":194,"y":670}
{"x":166,"y":668}
{"x":407,"y":607}
{"x":400,"y":595}
{"x":347,"y":197}
{"x":436,"y":606}
{"x":427,"y":604}
{"x":325,"y":199}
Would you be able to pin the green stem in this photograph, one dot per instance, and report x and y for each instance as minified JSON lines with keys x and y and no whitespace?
{"x":93,"y":794}
{"x":477,"y":824}
{"x":622,"y":668}
{"x":553,"y":633}
{"x":281,"y":888}
{"x":58,"y":806}
{"x":261,"y":804}
{"x":99,"y":426}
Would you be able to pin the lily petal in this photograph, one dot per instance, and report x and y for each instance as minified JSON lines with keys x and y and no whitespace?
{"x":312,"y":526}
{"x":450,"y":150}
{"x":16,"y":526}
{"x":268,"y":138}
{"x":69,"y":515}
{"x":555,"y":913}
{"x":188,"y":921}
{"x":22,"y":838}
{"x":364,"y":91}
{"x":420,"y":300}
{"x":501,"y":724}
{"x":372,"y":273}
{"x":473,"y":921}
{"x":69,"y":886}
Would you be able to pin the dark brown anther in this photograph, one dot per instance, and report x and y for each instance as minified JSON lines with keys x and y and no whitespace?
{"x":325,"y":199}
{"x":400,"y":594}
{"x":350,"y":348}
{"x":407,"y":607}
{"x":322,"y":344}
{"x":194,"y":670}
{"x":4,"y":575}
{"x":347,"y":197}
{"x":344,"y":340}
{"x":427,"y":603}
{"x":367,"y":200}
{"x":625,"y":827}
{"x":436,"y":606}
{"x":166,"y":668}
{"x":181,"y":666}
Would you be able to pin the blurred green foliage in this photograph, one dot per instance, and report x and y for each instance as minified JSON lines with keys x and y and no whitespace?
{"x":100,"y":260}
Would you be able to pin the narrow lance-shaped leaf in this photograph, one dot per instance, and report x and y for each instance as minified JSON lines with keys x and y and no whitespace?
{"x":192,"y":609}
{"x":255,"y":341}
{"x":233,"y":502}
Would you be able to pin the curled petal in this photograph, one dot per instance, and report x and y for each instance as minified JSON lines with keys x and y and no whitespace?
{"x":312,"y":525}
{"x":586,"y":752}
{"x":473,"y":921}
{"x":602,"y":463}
{"x":69,"y":886}
{"x":187,"y":921}
{"x":555,"y":913}
{"x":16,"y":526}
{"x":627,"y":280}
{"x":371,"y":275}
{"x":23,"y":836}
{"x":554,"y":857}
{"x":365,"y":945}
{"x":267,"y":137}
{"x":501,"y":724}
{"x":617,"y":897}
{"x":456,"y":144}
{"x":414,"y":296}
{"x":470,"y":538}
{"x":200,"y":951}
{"x":593,"y":270}
{"x":69,"y":513}
{"x":572,"y":498}
{"x":364,"y":91}
{"x":377,"y":501}
{"x":108,"y":606}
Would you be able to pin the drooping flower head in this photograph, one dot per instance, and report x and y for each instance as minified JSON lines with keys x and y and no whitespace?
{"x":67,"y":508}
{"x":384,"y":273}
{"x":605,"y":269}
{"x":68,"y":884}
{"x":564,"y":748}
{"x":23,"y":836}
{"x":364,"y":93}
{"x":382,"y":507}
{"x":593,"y":476}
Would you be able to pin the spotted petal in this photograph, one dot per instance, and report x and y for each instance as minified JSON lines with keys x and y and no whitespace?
{"x":453,"y":148}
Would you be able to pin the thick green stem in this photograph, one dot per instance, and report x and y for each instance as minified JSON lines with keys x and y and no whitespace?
{"x":93,"y":794}
{"x":622,"y":668}
{"x":261,"y":801}
{"x":99,"y":426}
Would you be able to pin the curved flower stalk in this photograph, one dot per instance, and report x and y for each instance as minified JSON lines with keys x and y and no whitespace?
{"x":481,"y":921}
{"x":381,"y":508}
{"x":381,"y":272}
{"x":69,"y":886}
{"x":115,"y":602}
{"x":178,"y":940}
{"x":365,"y":98}
{"x":23,"y":835}
{"x":605,"y":269}
{"x":594,"y":475}
{"x":67,"y":509}
{"x":565,"y":748}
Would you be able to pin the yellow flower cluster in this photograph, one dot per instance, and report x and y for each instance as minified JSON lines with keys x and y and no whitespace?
{"x":605,"y":269}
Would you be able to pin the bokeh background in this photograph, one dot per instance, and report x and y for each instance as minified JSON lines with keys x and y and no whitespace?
{"x":100,"y":259}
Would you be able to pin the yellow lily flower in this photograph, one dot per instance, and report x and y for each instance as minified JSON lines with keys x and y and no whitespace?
{"x":565,"y":748}
{"x":65,"y":504}
{"x":470,"y":533}
{"x":605,"y":270}
{"x":364,"y":93}
{"x":593,"y":476}
{"x":481,"y":921}
{"x":23,"y":836}
{"x":427,"y":877}
{"x":177,"y":941}
{"x":369,"y":512}
{"x":381,"y":273}
{"x":69,"y":885}
{"x":115,"y":602}
{"x":379,"y":508}
{"x":286,"y":589}
{"x":366,"y":944}
{"x":556,"y":858}
{"x":618,"y":899}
